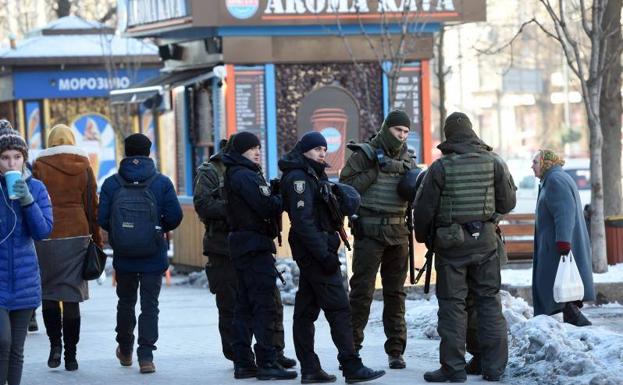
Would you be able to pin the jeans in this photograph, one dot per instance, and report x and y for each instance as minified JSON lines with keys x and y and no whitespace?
{"x":127,"y":287}
{"x":13,"y":329}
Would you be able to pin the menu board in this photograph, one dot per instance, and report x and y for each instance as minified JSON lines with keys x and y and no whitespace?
{"x":407,"y":97}
{"x":250,"y":107}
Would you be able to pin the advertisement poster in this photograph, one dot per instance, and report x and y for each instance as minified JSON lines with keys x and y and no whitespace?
{"x":95,"y":135}
{"x":33,"y":128}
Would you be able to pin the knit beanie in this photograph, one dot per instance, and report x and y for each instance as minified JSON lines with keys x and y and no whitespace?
{"x":137,"y":145}
{"x":397,"y":118}
{"x":61,"y":135}
{"x":312,"y":140}
{"x":11,"y":139}
{"x":457,"y":124}
{"x":244,"y":141}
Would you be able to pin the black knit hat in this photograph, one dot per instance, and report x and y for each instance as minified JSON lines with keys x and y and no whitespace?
{"x":397,"y":118}
{"x":137,"y":145}
{"x":11,"y":139}
{"x":457,"y":124}
{"x":312,"y":140}
{"x":244,"y":141}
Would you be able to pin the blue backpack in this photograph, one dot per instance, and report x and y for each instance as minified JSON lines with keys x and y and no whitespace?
{"x":135,"y":230}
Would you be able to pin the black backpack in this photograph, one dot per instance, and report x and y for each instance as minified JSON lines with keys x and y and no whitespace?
{"x":135,"y":230}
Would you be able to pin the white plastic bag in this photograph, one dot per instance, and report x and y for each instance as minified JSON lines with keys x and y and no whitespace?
{"x":568,"y":284}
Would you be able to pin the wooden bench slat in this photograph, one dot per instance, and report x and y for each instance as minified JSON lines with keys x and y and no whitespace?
{"x":515,"y":230}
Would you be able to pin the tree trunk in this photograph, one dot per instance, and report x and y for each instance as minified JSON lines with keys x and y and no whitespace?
{"x":598,"y":230}
{"x":441,"y":80}
{"x":610,"y":111}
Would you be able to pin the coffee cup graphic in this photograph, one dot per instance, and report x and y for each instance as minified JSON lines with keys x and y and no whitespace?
{"x":11,"y":177}
{"x":332,"y":123}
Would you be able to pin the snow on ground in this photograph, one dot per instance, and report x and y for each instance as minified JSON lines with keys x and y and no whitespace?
{"x":523,"y":277}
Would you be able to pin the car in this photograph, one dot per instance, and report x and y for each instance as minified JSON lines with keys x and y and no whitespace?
{"x":528,"y":189}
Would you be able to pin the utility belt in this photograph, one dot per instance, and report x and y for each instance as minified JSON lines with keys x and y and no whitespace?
{"x":452,"y":235}
{"x":382,"y":220}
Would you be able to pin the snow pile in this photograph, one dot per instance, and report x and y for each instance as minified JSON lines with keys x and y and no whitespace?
{"x":545,"y":351}
{"x":523,"y":277}
{"x":421,"y":315}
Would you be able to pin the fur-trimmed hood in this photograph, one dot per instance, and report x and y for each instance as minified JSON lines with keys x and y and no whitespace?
{"x":70,"y":160}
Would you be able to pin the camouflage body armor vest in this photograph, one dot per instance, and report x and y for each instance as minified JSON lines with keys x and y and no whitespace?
{"x":469,"y":192}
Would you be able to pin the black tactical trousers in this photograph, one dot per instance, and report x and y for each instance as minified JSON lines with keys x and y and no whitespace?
{"x":223,"y":284}
{"x":482,"y":279}
{"x":368,"y":256}
{"x":311,"y":297}
{"x":255,"y":313}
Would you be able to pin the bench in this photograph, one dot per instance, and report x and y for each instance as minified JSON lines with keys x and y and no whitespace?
{"x":518,"y":231}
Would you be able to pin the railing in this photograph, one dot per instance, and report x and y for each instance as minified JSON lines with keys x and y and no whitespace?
{"x":142,"y":12}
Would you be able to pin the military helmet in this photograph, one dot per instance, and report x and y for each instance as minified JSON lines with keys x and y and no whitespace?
{"x":348,"y":198}
{"x":408,"y":184}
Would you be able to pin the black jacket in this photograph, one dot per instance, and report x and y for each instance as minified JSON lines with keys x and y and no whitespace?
{"x":312,"y":237}
{"x":251,"y":208}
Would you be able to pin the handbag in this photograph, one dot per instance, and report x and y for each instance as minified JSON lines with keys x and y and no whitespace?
{"x":95,"y":258}
{"x":568,"y":285}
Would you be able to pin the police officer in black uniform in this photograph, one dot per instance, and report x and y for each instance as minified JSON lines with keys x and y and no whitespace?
{"x":314,"y":241}
{"x":252,"y":210}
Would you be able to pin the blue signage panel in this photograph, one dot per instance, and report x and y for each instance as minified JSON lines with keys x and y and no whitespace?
{"x":74,"y":84}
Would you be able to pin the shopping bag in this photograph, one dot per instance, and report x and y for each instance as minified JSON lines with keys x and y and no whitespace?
{"x":568,"y":286}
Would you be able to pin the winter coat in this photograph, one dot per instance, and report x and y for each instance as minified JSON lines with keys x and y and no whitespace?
{"x":311,"y":237}
{"x":209,"y":201}
{"x":251,"y":209}
{"x":426,"y":205}
{"x":64,"y":170}
{"x":20,"y":284}
{"x":559,"y":218}
{"x":139,"y":169}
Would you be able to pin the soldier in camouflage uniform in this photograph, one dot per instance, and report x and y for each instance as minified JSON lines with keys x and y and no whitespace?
{"x":209,"y":201}
{"x":461,"y":198}
{"x":381,"y":235}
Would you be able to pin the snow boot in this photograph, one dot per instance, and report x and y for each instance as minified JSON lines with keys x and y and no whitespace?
{"x":571,"y":314}
{"x":439,"y":376}
{"x":71,"y":336}
{"x":52,"y":322}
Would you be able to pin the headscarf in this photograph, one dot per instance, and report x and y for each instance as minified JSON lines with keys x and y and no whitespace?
{"x":549,"y":159}
{"x":61,"y":135}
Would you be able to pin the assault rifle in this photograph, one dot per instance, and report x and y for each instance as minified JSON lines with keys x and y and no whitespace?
{"x":428,"y":263}
{"x":337,"y":218}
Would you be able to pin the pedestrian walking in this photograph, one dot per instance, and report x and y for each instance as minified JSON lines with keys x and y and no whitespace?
{"x":26,"y":216}
{"x":65,"y":170}
{"x":210,"y":204}
{"x":138,"y":205}
{"x":560,"y":228}
{"x":314,"y":241}
{"x":374,"y":169}
{"x":457,"y":207}
{"x":252,"y":211}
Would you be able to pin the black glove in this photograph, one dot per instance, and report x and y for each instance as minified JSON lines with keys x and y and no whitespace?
{"x":331,"y":264}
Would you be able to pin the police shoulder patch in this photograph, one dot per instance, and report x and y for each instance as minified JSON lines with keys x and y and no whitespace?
{"x":299,"y":186}
{"x":265,"y":190}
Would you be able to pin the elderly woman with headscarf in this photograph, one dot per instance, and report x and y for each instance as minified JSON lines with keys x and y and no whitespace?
{"x":560,"y":229}
{"x":67,"y":173}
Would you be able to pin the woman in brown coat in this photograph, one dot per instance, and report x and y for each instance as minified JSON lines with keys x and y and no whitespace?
{"x":65,"y":170}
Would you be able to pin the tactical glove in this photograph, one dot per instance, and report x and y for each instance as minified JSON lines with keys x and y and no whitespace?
{"x":22,"y":192}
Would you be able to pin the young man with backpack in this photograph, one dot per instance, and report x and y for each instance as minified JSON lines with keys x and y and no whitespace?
{"x":138,"y":205}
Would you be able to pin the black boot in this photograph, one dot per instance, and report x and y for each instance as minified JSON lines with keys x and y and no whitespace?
{"x":439,"y":376}
{"x":284,"y":361}
{"x":571,"y":314}
{"x":473,"y":366}
{"x":320,"y":377}
{"x":362,"y":374}
{"x":32,"y":325}
{"x":396,"y":361}
{"x":274,"y":371}
{"x":52,"y":322}
{"x":246,"y":371}
{"x":71,"y":336}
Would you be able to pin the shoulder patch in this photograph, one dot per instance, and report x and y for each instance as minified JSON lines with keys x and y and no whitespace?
{"x":299,"y":186}
{"x":265,"y":190}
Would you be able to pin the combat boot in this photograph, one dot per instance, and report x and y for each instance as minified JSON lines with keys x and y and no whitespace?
{"x":284,"y":361}
{"x":571,"y":314}
{"x":274,"y":371}
{"x":363,"y":374}
{"x":439,"y":376}
{"x":396,"y":361}
{"x":241,"y":372}
{"x":319,"y":377}
{"x":473,"y":366}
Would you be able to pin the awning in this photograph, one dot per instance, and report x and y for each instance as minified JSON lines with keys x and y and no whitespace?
{"x":157,"y":85}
